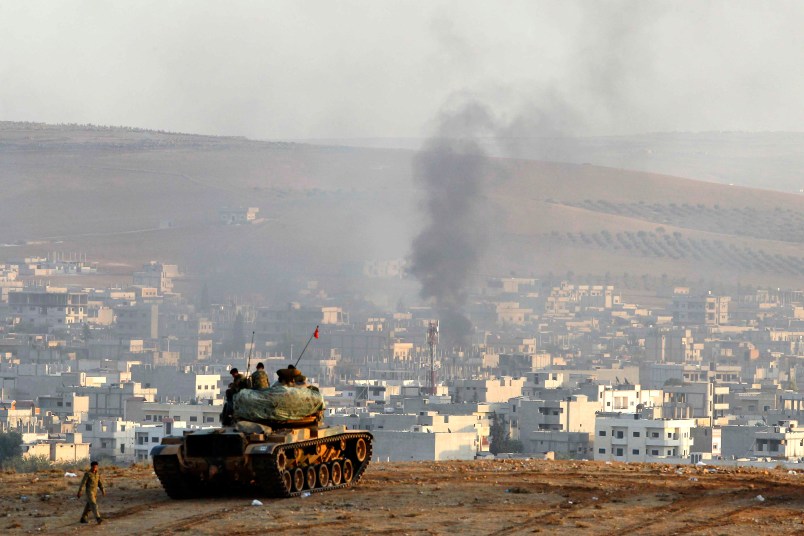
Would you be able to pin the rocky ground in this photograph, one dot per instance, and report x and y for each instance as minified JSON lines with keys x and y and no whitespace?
{"x":481,"y":497}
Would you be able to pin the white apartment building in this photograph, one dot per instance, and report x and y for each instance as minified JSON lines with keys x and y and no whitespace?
{"x":628,"y":398}
{"x":634,"y":437}
{"x":112,"y":439}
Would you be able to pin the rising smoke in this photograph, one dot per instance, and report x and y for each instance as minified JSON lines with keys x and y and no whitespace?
{"x":452,"y":168}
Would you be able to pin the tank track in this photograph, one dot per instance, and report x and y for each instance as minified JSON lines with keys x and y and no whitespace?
{"x":174,"y":482}
{"x":270,"y":477}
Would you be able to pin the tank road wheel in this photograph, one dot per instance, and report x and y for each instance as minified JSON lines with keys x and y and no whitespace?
{"x":281,"y":460}
{"x":348,"y":471}
{"x":311,"y":477}
{"x":361,"y":449}
{"x":337,"y":474}
{"x":287,"y":480}
{"x":323,"y":475}
{"x":298,"y":479}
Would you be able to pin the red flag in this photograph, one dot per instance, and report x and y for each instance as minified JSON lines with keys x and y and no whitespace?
{"x":316,"y":332}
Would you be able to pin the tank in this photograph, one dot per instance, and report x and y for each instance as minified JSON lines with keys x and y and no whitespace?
{"x":268,"y":458}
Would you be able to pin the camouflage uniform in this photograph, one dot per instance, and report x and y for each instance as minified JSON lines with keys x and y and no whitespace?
{"x":259,"y":380}
{"x":90,"y":484}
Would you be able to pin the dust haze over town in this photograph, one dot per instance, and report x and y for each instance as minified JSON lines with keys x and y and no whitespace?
{"x":599,"y":204}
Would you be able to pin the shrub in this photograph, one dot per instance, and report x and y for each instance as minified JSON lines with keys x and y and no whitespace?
{"x":29,"y":464}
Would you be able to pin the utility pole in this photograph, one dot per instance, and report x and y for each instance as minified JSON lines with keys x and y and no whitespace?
{"x":432,"y":342}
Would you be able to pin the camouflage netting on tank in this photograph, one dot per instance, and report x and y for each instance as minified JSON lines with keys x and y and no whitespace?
{"x":277,"y":403}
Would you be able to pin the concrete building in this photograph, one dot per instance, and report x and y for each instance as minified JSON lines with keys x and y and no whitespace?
{"x":138,"y":321}
{"x":147,"y":436}
{"x":493,"y":390}
{"x":109,"y":401}
{"x":703,"y":401}
{"x":112,"y":439}
{"x":177,"y":384}
{"x":635,"y":437}
{"x":157,"y":275}
{"x":145,"y":412}
{"x":69,"y":449}
{"x":564,"y":445}
{"x":68,"y":406}
{"x":707,"y":310}
{"x":51,"y":308}
{"x":22,"y":416}
{"x":784,"y":442}
{"x":628,"y":398}
{"x":424,"y":446}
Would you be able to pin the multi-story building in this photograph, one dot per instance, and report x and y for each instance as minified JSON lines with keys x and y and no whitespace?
{"x":703,"y":401}
{"x":51,"y":308}
{"x":783,"y":442}
{"x":157,"y":275}
{"x":175,"y":384}
{"x":113,"y":439}
{"x":137,"y":321}
{"x":145,"y":412}
{"x":147,"y":436}
{"x":68,"y":406}
{"x":493,"y":390}
{"x":706,"y":310}
{"x":636,"y":437}
{"x":109,"y":401}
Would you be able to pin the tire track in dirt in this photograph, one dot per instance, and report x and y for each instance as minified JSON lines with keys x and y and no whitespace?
{"x":197,"y":519}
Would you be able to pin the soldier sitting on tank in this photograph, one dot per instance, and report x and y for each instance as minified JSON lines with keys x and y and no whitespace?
{"x":287,"y":376}
{"x":239,"y":382}
{"x":259,"y":378}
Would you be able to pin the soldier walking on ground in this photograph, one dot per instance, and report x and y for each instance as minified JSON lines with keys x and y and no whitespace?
{"x":91,"y":483}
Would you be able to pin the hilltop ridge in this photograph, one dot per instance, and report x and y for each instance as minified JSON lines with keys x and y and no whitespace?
{"x":131,"y":195}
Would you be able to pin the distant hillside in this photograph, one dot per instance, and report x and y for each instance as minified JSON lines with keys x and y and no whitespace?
{"x":128,"y":196}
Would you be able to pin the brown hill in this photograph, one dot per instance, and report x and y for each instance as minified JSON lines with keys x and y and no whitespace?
{"x":482,"y":497}
{"x":128,"y":196}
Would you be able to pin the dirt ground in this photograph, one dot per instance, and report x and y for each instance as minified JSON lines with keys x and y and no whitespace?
{"x":480,"y":497}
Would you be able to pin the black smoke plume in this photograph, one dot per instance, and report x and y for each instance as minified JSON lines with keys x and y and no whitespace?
{"x":452,"y":169}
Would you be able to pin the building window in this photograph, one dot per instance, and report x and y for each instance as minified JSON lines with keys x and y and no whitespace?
{"x":193,"y":419}
{"x":601,"y":451}
{"x":635,"y":451}
{"x":154,"y":440}
{"x":654,"y":452}
{"x":619,"y":452}
{"x":602,"y":433}
{"x":620,"y":434}
{"x":636,"y":434}
{"x":147,"y":417}
{"x":89,"y":427}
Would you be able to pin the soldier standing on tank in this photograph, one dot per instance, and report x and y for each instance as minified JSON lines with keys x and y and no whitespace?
{"x":259,"y":378}
{"x":91,"y":483}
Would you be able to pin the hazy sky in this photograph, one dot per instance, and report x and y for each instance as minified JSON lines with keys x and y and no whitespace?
{"x":326,"y":69}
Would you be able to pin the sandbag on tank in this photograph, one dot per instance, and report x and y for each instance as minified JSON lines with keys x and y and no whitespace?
{"x":277,"y":403}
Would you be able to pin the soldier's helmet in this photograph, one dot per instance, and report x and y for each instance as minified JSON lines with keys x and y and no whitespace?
{"x":288,"y":375}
